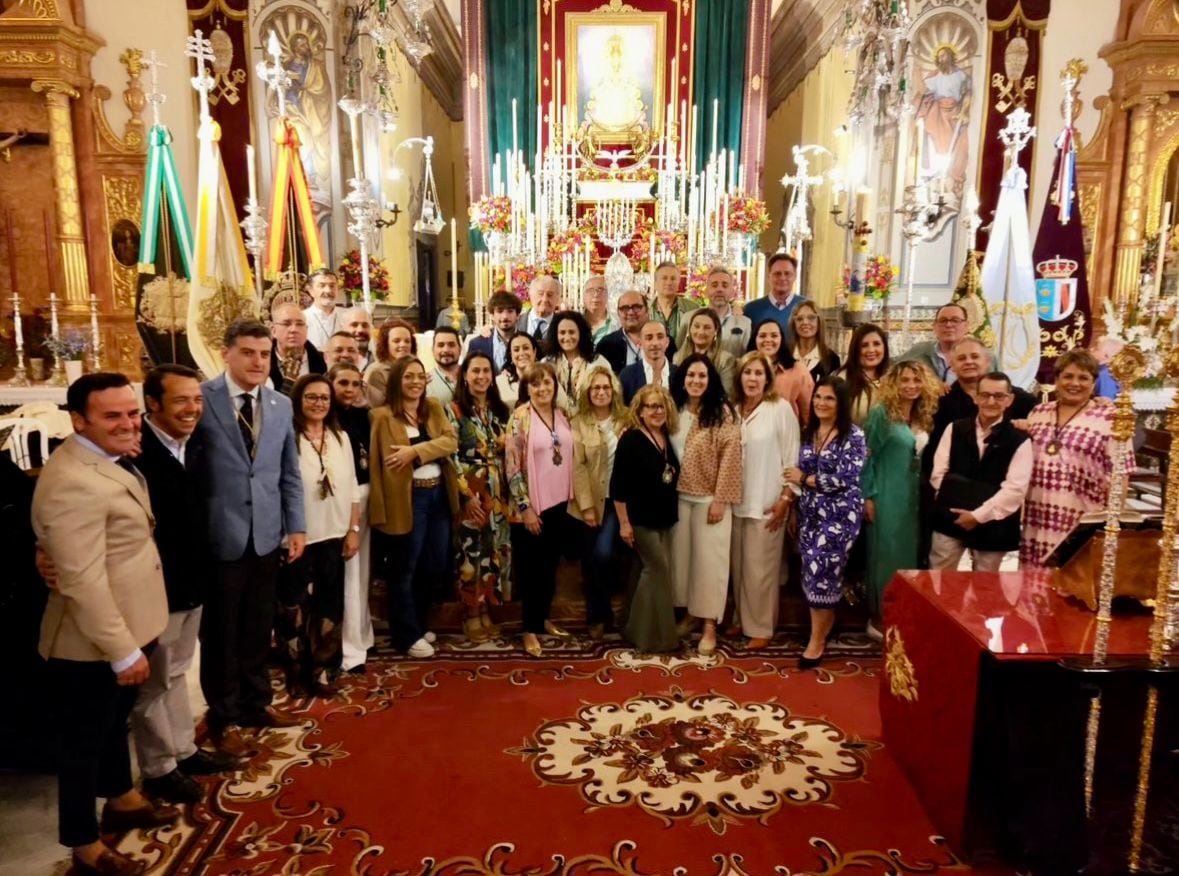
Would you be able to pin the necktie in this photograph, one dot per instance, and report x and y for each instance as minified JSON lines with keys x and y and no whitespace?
{"x":245,"y":422}
{"x":542,"y":326}
{"x":125,"y":463}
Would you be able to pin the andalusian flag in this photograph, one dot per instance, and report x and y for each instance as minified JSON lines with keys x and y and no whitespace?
{"x":165,"y":256}
{"x":223,"y":289}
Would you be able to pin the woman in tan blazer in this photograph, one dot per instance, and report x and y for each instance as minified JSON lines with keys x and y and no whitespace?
{"x":413,"y":497}
{"x":597,"y":426}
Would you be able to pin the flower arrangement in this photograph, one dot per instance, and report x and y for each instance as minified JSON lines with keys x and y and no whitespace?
{"x":748,"y":215}
{"x":73,"y":345}
{"x":669,"y":241}
{"x":523,"y":273}
{"x":568,"y":242}
{"x":880,"y":277}
{"x":492,"y":213}
{"x":353,"y":284}
{"x":697,"y":285}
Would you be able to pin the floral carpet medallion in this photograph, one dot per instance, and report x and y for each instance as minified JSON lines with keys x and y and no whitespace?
{"x":702,"y":757}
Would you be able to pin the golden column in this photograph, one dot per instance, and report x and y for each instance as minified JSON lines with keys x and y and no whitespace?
{"x":71,"y":241}
{"x":1132,"y":227}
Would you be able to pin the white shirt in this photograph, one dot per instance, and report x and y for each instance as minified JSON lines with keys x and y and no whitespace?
{"x":1011,"y":492}
{"x":321,"y":326}
{"x":328,"y":516}
{"x":606,"y":427}
{"x":664,"y":377}
{"x":175,"y":446}
{"x":769,"y":446}
{"x":235,"y":397}
{"x":429,"y":469}
{"x":441,"y":386}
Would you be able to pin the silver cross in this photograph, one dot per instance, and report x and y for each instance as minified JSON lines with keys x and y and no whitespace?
{"x":1016,"y":133}
{"x":275,"y":74}
{"x":155,"y":97}
{"x":200,"y":49}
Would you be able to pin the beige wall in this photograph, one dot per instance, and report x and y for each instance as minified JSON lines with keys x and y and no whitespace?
{"x":810,"y":115}
{"x":123,"y":24}
{"x":1069,"y":35}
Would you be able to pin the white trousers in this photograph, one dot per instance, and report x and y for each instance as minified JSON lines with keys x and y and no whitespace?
{"x":161,"y":721}
{"x":945,"y":554}
{"x":757,"y":575}
{"x":700,"y":559}
{"x":358,"y":623}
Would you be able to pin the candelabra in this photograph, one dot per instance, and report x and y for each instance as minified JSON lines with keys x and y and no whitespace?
{"x":876,"y":31}
{"x":615,"y":221}
{"x":920,"y":213}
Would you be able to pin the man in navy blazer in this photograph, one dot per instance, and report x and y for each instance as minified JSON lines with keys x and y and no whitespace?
{"x":653,"y":366}
{"x":504,"y":308}
{"x":779,"y":304}
{"x":255,"y":496}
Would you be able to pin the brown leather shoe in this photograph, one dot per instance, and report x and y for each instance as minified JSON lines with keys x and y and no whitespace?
{"x":228,"y":740}
{"x":756,"y":644}
{"x":272,"y":718}
{"x":123,"y":820}
{"x":110,"y":863}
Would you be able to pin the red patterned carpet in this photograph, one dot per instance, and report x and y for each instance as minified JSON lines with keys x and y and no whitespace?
{"x":592,"y":762}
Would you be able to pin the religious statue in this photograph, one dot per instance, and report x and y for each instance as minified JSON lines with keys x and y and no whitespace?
{"x":615,"y":101}
{"x":943,"y":107}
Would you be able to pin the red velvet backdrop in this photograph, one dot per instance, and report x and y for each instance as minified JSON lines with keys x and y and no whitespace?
{"x":679,"y":43}
{"x":1005,"y":20}
{"x":229,"y":101}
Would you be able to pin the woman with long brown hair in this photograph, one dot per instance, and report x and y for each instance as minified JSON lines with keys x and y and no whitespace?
{"x":414,"y":493}
{"x":805,"y":340}
{"x":703,"y":336}
{"x":395,"y":340}
{"x":867,"y":360}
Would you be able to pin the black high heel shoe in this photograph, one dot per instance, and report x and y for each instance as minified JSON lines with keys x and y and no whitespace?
{"x":809,"y":662}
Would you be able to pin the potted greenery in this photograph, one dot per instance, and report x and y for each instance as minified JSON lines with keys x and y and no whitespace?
{"x":70,"y":348}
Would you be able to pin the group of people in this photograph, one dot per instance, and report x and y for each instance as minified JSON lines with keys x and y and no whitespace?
{"x":686,"y":449}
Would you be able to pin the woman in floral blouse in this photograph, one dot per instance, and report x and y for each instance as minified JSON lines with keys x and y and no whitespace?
{"x":831,"y":510}
{"x":484,"y":537}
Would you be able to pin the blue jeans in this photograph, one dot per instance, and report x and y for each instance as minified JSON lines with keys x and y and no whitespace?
{"x":428,"y":543}
{"x":597,"y":562}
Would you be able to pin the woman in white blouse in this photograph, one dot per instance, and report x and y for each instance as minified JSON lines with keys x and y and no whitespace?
{"x":311,"y":604}
{"x":769,"y":445}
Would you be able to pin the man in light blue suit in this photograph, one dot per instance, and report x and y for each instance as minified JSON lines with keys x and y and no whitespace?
{"x":255,"y":496}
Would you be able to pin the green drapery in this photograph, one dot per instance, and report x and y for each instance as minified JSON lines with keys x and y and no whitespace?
{"x":719,"y":64}
{"x":511,"y":73}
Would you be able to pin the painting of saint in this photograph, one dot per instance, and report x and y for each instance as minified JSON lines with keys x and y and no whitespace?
{"x":618,"y":84}
{"x":943,"y":108}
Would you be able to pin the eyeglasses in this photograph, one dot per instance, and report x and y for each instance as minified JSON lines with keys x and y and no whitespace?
{"x":601,"y":389}
{"x":317,"y":399}
{"x":992,"y":396}
{"x":654,"y":406}
{"x":292,"y":323}
{"x":949,"y":320}
{"x":806,"y":318}
{"x":630,"y":308}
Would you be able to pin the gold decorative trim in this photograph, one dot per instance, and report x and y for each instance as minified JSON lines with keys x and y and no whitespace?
{"x":616,"y":6}
{"x":53,"y":86}
{"x":123,"y":200}
{"x":902,"y":682}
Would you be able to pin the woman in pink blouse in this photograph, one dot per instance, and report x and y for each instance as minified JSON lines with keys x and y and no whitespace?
{"x":792,"y":380}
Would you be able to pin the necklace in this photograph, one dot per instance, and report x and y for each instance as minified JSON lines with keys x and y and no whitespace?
{"x":1053,"y":447}
{"x":668,"y":469}
{"x":552,"y":427}
{"x":746,"y":414}
{"x":325,"y":481}
{"x":824,"y":440}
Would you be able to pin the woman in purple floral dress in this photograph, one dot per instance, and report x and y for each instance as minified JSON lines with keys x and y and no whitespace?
{"x":831,"y":507}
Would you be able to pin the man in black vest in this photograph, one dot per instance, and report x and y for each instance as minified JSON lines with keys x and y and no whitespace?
{"x":981,"y":471}
{"x":173,"y":464}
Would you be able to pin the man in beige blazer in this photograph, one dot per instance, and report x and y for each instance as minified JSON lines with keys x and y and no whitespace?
{"x":92,"y":515}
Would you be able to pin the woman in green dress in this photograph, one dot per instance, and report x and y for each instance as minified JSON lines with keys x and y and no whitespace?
{"x":897,"y":430}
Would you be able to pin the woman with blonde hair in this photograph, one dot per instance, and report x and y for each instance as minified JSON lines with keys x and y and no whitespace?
{"x":769,"y":446}
{"x":897,"y":430}
{"x":644,"y":490}
{"x":703,"y":336}
{"x":598,"y":424}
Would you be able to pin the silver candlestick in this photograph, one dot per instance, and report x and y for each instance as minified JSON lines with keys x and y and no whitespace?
{"x":363,"y":213}
{"x":255,"y":225}
{"x":20,"y":375}
{"x":95,"y":337}
{"x":58,"y":375}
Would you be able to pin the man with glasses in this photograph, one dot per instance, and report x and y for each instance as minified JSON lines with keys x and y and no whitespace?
{"x":625,"y":346}
{"x":949,"y":327}
{"x":294,"y":355}
{"x":779,"y":304}
{"x":981,"y":471}
{"x":597,"y":307}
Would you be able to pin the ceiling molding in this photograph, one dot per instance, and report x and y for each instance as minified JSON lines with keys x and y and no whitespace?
{"x":442,"y":69}
{"x":801,"y":33}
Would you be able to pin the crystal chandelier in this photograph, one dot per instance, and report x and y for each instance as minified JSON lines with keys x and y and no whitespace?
{"x":876,"y":32}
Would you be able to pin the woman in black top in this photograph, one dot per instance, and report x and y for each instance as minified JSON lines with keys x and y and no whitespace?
{"x":348,"y":392}
{"x":643,"y":487}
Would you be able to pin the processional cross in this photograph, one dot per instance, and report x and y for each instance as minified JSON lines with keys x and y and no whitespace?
{"x":274,"y":74}
{"x":200,"y":49}
{"x":155,"y":97}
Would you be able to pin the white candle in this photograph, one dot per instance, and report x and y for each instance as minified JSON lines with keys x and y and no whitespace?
{"x":651,"y":260}
{"x":253,"y":175}
{"x":94,"y":336}
{"x":453,"y":259}
{"x":54,"y":329}
{"x":715,"y":114}
{"x":354,"y":127}
{"x":16,"y":322}
{"x":515,"y":143}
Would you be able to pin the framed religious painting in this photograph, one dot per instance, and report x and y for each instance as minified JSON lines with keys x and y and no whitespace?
{"x":616,"y":78}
